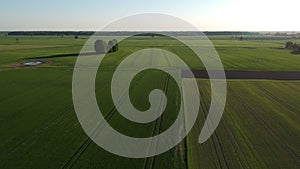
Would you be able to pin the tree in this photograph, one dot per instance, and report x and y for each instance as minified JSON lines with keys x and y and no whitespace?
{"x":76,"y":37}
{"x":113,"y":45}
{"x":100,"y":47}
{"x":289,"y":45}
{"x":241,"y":38}
{"x":17,"y":40}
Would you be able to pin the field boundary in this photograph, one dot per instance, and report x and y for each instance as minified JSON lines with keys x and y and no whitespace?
{"x":232,"y":74}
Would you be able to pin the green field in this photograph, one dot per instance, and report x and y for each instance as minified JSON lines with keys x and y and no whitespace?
{"x":39,"y":128}
{"x":235,"y":55}
{"x":259,"y":129}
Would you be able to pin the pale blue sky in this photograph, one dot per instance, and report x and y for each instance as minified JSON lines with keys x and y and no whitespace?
{"x":235,"y":15}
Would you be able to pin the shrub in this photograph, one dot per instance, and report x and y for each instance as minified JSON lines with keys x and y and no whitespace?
{"x":289,"y":45}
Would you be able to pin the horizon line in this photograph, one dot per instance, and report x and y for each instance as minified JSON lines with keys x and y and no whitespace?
{"x":142,"y":31}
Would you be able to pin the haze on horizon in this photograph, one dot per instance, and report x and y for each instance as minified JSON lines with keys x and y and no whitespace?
{"x":214,"y":15}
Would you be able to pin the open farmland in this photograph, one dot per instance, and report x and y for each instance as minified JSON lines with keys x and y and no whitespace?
{"x":38,"y":125}
{"x":260,"y":127}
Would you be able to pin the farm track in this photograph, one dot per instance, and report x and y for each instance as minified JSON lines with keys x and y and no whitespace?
{"x":182,"y":146}
{"x":150,"y":161}
{"x":78,"y":153}
{"x":184,"y":141}
{"x":231,"y":74}
{"x":265,"y":125}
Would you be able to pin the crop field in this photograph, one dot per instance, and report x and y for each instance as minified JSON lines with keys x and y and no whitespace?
{"x":260,"y":127}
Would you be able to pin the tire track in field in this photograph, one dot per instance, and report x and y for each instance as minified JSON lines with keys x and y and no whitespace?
{"x":204,"y":109}
{"x":37,"y":133}
{"x":185,"y":141}
{"x":186,"y":87}
{"x":78,"y":153}
{"x":244,"y":137}
{"x":88,"y":141}
{"x":277,"y":99}
{"x":150,"y":161}
{"x":273,"y":133}
{"x":234,"y":142}
{"x":182,"y":147}
{"x":268,"y":128}
{"x":39,"y":130}
{"x":217,"y":141}
{"x":167,"y":59}
{"x":151,"y":58}
{"x":293,"y":86}
{"x":135,"y":63}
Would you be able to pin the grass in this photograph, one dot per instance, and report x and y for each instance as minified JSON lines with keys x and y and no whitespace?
{"x":235,"y":55}
{"x":39,"y":128}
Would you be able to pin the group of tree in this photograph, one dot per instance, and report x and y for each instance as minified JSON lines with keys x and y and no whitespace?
{"x":238,"y":38}
{"x":292,"y":46}
{"x":102,"y":47}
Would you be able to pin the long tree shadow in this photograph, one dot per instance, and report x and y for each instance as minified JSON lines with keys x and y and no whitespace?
{"x":62,"y":55}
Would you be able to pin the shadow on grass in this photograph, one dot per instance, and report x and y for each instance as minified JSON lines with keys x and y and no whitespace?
{"x":62,"y":55}
{"x":278,"y":48}
{"x":296,"y":52}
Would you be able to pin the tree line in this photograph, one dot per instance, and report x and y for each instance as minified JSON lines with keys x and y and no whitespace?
{"x":292,"y":46}
{"x":51,"y":33}
{"x":124,"y":33}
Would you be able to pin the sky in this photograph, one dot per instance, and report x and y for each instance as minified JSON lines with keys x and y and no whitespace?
{"x":206,"y":15}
